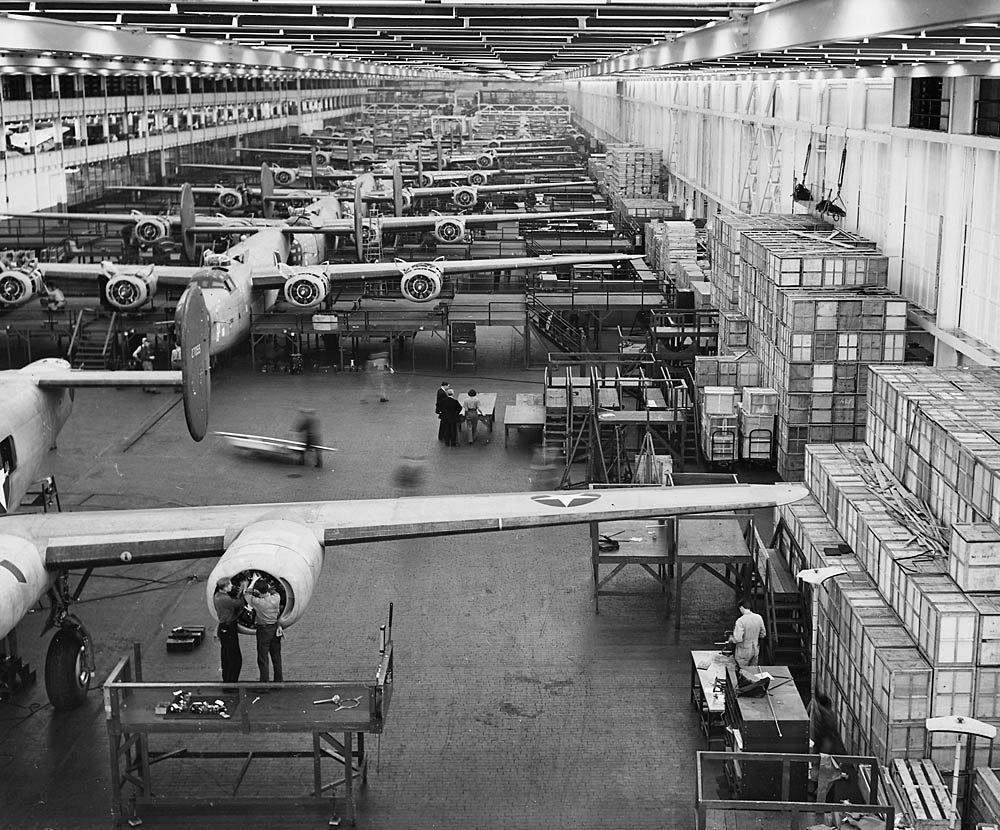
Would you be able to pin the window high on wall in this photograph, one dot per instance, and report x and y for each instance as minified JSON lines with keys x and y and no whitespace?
{"x":988,"y":107}
{"x":929,"y":104}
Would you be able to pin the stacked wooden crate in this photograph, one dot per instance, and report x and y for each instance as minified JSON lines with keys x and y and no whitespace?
{"x":632,"y":172}
{"x":818,"y":314}
{"x":672,"y":250}
{"x":724,"y":235}
{"x":913,"y":629}
{"x":737,"y":370}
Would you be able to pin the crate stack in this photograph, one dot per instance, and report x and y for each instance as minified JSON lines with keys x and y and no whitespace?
{"x":913,"y":629}
{"x":632,"y":172}
{"x":724,"y":235}
{"x":817,"y":313}
{"x":672,"y":251}
{"x":737,"y":370}
{"x":597,"y":165}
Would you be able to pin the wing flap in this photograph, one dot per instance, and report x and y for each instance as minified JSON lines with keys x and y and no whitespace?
{"x":165,"y":274}
{"x":97,"y":551}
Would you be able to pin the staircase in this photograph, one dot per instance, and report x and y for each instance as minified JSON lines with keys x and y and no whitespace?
{"x":785,"y":612}
{"x":551,"y":325}
{"x":94,"y":344}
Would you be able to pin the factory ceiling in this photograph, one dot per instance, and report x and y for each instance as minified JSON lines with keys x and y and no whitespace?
{"x":501,"y":39}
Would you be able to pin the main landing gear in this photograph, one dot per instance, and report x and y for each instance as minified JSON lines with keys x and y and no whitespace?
{"x":69,"y":662}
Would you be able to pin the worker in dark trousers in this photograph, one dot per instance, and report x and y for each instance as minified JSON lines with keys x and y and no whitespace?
{"x":308,"y":429}
{"x":228,"y":602}
{"x":266,"y":602}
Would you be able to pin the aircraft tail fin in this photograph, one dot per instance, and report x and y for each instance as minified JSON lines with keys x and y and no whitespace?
{"x":193,"y":328}
{"x":267,"y":190}
{"x":188,"y":220}
{"x":397,"y":189}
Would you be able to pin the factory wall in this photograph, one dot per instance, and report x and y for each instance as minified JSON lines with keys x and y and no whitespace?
{"x":137,"y":138}
{"x":927,"y":197}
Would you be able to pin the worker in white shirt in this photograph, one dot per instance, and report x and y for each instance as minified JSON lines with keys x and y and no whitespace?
{"x":266,"y":602}
{"x":747,"y":634}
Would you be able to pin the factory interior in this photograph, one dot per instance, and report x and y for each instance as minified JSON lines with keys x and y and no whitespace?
{"x":720,"y":273}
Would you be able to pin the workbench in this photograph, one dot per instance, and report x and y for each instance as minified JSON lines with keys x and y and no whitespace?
{"x":719,"y":541}
{"x":708,"y":675}
{"x":522,"y":417}
{"x":137,"y":710}
{"x":642,"y":542}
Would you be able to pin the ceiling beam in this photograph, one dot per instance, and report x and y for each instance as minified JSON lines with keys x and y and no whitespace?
{"x":794,"y":23}
{"x":30,"y":34}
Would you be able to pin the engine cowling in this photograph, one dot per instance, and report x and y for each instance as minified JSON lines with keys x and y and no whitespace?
{"x":494,"y":142}
{"x":485,"y":160}
{"x":322,"y":158}
{"x":449,"y":229}
{"x":282,"y":176}
{"x":26,"y":581}
{"x":426,"y":179}
{"x":283,"y":550}
{"x":421,"y":282}
{"x":579,"y":139}
{"x":307,"y":289}
{"x":371,"y":232}
{"x":129,"y":291}
{"x":18,"y":285}
{"x":367,"y":157}
{"x":464,"y":197}
{"x":477,"y":178}
{"x":149,"y":230}
{"x":407,"y":195}
{"x":229,"y":199}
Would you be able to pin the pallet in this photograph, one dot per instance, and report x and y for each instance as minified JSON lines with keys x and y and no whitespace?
{"x":928,"y":800}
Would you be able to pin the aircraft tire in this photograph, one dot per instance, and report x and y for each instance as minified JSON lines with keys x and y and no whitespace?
{"x":67,"y":677}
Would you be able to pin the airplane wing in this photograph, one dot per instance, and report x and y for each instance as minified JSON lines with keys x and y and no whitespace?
{"x":165,"y":274}
{"x":397,"y":223}
{"x":442,"y":267}
{"x":109,"y":218}
{"x":115,"y":537}
{"x":419,"y":192}
{"x":80,"y":378}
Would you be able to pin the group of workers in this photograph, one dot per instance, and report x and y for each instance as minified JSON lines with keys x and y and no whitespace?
{"x":258,"y":594}
{"x":453,"y":413}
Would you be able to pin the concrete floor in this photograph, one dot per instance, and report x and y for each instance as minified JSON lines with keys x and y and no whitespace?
{"x":514,"y":704}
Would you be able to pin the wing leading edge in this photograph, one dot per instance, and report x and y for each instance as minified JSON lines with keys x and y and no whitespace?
{"x":72,"y":540}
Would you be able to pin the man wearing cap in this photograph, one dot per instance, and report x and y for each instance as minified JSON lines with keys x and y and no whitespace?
{"x":442,"y":393}
{"x":266,"y":601}
{"x":228,"y":602}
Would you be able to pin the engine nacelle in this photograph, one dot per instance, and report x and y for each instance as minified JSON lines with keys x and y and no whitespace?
{"x":18,"y":285}
{"x":421,"y":282}
{"x":486,"y":160}
{"x":23,"y":580}
{"x":307,"y":289}
{"x":371,"y":232}
{"x":367,"y":157}
{"x":283,"y":176}
{"x":149,"y":230}
{"x":229,"y":199}
{"x":464,"y":197}
{"x":478,"y":178}
{"x":449,"y":229}
{"x":322,"y":158}
{"x":426,"y":179}
{"x":579,"y":139}
{"x":283,"y":550}
{"x":407,"y":195}
{"x":130,"y":291}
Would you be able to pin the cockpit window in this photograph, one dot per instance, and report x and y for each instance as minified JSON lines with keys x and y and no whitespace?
{"x":213,"y":278}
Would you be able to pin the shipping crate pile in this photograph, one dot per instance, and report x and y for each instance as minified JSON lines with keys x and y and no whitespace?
{"x":913,"y":629}
{"x":737,"y":414}
{"x":672,"y":251}
{"x":813,"y":307}
{"x":632,"y":172}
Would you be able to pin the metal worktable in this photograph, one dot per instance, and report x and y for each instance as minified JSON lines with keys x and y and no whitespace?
{"x":135,"y":713}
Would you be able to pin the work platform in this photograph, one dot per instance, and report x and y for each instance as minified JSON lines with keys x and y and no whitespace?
{"x":137,"y":710}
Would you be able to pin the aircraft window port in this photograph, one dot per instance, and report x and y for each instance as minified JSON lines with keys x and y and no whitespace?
{"x":8,"y":455}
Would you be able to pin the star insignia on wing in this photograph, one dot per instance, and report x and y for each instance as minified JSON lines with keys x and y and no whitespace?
{"x":569,"y":500}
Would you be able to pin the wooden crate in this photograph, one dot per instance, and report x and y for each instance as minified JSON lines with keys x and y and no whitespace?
{"x":928,"y":802}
